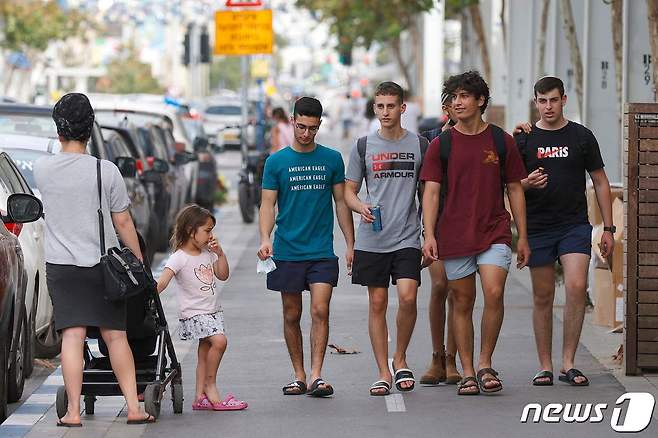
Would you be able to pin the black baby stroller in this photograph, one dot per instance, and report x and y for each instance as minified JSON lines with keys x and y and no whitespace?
{"x":150,"y":342}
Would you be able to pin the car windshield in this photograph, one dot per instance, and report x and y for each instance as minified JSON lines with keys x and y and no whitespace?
{"x":224,"y":110}
{"x":24,"y":160}
{"x":28,"y":124}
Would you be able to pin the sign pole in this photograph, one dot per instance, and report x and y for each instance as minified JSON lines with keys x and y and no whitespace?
{"x":244,"y":70}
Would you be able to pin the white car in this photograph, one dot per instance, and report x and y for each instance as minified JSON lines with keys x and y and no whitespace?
{"x":222,"y":119}
{"x":46,"y":342}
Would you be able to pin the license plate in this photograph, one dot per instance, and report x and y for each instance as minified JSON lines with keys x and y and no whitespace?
{"x":230,"y":137}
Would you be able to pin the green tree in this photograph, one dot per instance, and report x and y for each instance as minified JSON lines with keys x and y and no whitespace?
{"x":225,"y":73}
{"x":127,"y":74}
{"x":362,"y":22}
{"x":28,"y":26}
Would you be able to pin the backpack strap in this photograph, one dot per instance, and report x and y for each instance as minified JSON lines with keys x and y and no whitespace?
{"x":361,"y":144}
{"x":445,"y":145}
{"x":501,"y":151}
{"x":581,"y":138}
{"x":424,"y":144}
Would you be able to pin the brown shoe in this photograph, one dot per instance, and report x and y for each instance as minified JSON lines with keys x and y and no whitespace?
{"x":452,"y":378}
{"x":436,"y":373}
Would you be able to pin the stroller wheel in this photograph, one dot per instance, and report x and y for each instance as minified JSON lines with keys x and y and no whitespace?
{"x":152,"y":399}
{"x":177,"y":397}
{"x":61,"y":402}
{"x":89,"y":404}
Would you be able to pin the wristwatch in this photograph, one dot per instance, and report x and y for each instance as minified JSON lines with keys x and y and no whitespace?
{"x":611,"y":228}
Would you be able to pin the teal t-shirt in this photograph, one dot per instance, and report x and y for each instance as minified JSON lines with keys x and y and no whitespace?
{"x":304,"y":182}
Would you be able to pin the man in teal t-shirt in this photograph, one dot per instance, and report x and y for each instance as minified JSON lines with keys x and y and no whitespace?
{"x":302,"y":178}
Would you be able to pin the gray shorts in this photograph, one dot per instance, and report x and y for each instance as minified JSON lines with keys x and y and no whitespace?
{"x":498,"y":254}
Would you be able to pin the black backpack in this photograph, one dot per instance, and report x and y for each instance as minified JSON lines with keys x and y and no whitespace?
{"x":361,"y":145}
{"x":445,"y":142}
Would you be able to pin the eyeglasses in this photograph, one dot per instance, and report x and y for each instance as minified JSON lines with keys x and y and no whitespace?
{"x":311,"y":129}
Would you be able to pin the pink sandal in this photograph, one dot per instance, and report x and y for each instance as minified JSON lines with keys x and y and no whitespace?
{"x":230,"y":403}
{"x":202,"y":404}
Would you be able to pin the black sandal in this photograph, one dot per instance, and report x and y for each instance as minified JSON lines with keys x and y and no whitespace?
{"x":295,"y":388}
{"x":464,"y":389}
{"x":543,"y":375}
{"x":61,"y":423}
{"x":404,"y":375}
{"x":379,"y":385}
{"x":570,"y":377}
{"x":316,"y":391}
{"x":483,"y":381}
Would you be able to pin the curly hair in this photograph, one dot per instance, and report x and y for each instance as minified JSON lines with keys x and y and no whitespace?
{"x":471,"y":82}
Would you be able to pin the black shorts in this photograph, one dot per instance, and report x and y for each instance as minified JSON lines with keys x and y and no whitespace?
{"x":549,"y":246}
{"x":298,"y":276}
{"x":376,"y":269}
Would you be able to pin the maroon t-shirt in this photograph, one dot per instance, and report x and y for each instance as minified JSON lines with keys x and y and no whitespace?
{"x":474,"y":217}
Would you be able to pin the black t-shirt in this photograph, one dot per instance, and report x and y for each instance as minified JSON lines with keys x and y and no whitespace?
{"x":565,"y":154}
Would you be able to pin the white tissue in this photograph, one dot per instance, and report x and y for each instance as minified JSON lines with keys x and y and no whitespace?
{"x":265,"y":266}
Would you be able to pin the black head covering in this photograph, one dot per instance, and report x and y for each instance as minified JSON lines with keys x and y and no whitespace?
{"x":74,"y":117}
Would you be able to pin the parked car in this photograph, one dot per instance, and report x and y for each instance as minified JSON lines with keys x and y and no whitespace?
{"x":46,"y":342}
{"x":169,"y":119}
{"x":17,"y":209}
{"x":157,"y":143}
{"x":154,"y":183}
{"x":36,"y":121}
{"x":222,"y":119}
{"x":140,"y":204}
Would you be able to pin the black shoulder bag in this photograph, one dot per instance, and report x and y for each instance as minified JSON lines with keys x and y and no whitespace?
{"x":124,"y":274}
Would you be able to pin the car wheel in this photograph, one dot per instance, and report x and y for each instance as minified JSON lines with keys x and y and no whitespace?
{"x":246,"y":202}
{"x":3,"y":377}
{"x":32,"y":333}
{"x":48,"y":343}
{"x":16,"y":378}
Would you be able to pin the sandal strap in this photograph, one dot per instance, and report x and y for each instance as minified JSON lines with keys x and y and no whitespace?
{"x":573,"y":373}
{"x":462,"y":383}
{"x":316,"y":384}
{"x":484,"y":371}
{"x":297,"y":384}
{"x":380,"y":384}
{"x":545,"y":374}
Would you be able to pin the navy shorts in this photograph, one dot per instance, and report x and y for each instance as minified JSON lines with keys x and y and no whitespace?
{"x":298,"y":276}
{"x":379,"y":269}
{"x":548,"y":246}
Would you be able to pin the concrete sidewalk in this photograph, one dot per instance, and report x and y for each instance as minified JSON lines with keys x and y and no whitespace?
{"x":256,"y":366}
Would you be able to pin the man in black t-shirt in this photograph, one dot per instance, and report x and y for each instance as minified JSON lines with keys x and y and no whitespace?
{"x":557,"y":153}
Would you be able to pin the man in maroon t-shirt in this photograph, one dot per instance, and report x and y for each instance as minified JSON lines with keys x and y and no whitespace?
{"x":474,"y":228}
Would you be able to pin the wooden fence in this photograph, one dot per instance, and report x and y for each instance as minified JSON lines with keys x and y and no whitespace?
{"x":641,"y":305}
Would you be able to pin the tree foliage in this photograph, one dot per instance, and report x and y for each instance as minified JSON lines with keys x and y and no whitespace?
{"x":361,"y":22}
{"x":29,"y":25}
{"x":127,"y":74}
{"x":225,"y":72}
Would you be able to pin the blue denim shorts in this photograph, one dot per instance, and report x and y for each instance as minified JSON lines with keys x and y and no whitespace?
{"x":498,"y":254}
{"x":548,"y":246}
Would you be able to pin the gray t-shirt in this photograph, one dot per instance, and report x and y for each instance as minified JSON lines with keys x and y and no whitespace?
{"x":69,"y":192}
{"x":393,"y":168}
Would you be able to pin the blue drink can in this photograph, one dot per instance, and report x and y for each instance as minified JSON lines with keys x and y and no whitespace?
{"x":377,"y":213}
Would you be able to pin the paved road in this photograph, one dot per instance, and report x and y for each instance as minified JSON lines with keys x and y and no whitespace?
{"x":256,"y":365}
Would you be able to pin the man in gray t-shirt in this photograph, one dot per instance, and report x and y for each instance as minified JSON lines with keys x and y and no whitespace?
{"x":390,"y":164}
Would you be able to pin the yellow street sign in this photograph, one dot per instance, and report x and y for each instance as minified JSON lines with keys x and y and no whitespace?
{"x":260,"y":68}
{"x":243,"y":32}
